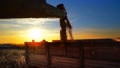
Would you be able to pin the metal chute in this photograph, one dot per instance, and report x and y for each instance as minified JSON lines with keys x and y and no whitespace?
{"x":28,"y":9}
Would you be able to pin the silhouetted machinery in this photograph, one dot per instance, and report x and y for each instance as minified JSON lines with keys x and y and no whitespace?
{"x":28,"y":9}
{"x":36,"y":9}
{"x":64,"y":23}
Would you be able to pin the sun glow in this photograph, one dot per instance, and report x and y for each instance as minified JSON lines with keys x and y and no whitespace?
{"x":35,"y":34}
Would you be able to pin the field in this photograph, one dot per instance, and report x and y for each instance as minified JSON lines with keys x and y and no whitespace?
{"x":12,"y":58}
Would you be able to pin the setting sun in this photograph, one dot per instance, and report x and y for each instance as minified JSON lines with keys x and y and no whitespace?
{"x":35,"y":34}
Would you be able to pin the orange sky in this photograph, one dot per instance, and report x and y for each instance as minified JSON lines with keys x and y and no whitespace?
{"x":19,"y":31}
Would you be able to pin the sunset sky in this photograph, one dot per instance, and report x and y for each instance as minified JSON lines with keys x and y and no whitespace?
{"x":89,"y":18}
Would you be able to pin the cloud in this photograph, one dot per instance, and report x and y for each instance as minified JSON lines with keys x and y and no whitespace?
{"x":19,"y":27}
{"x":21,"y":24}
{"x":29,"y":21}
{"x":35,"y":21}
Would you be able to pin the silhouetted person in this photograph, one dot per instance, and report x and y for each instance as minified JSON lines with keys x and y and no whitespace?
{"x":64,"y":23}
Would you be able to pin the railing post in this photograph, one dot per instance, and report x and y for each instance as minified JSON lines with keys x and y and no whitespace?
{"x":48,"y":54}
{"x":82,"y":54}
